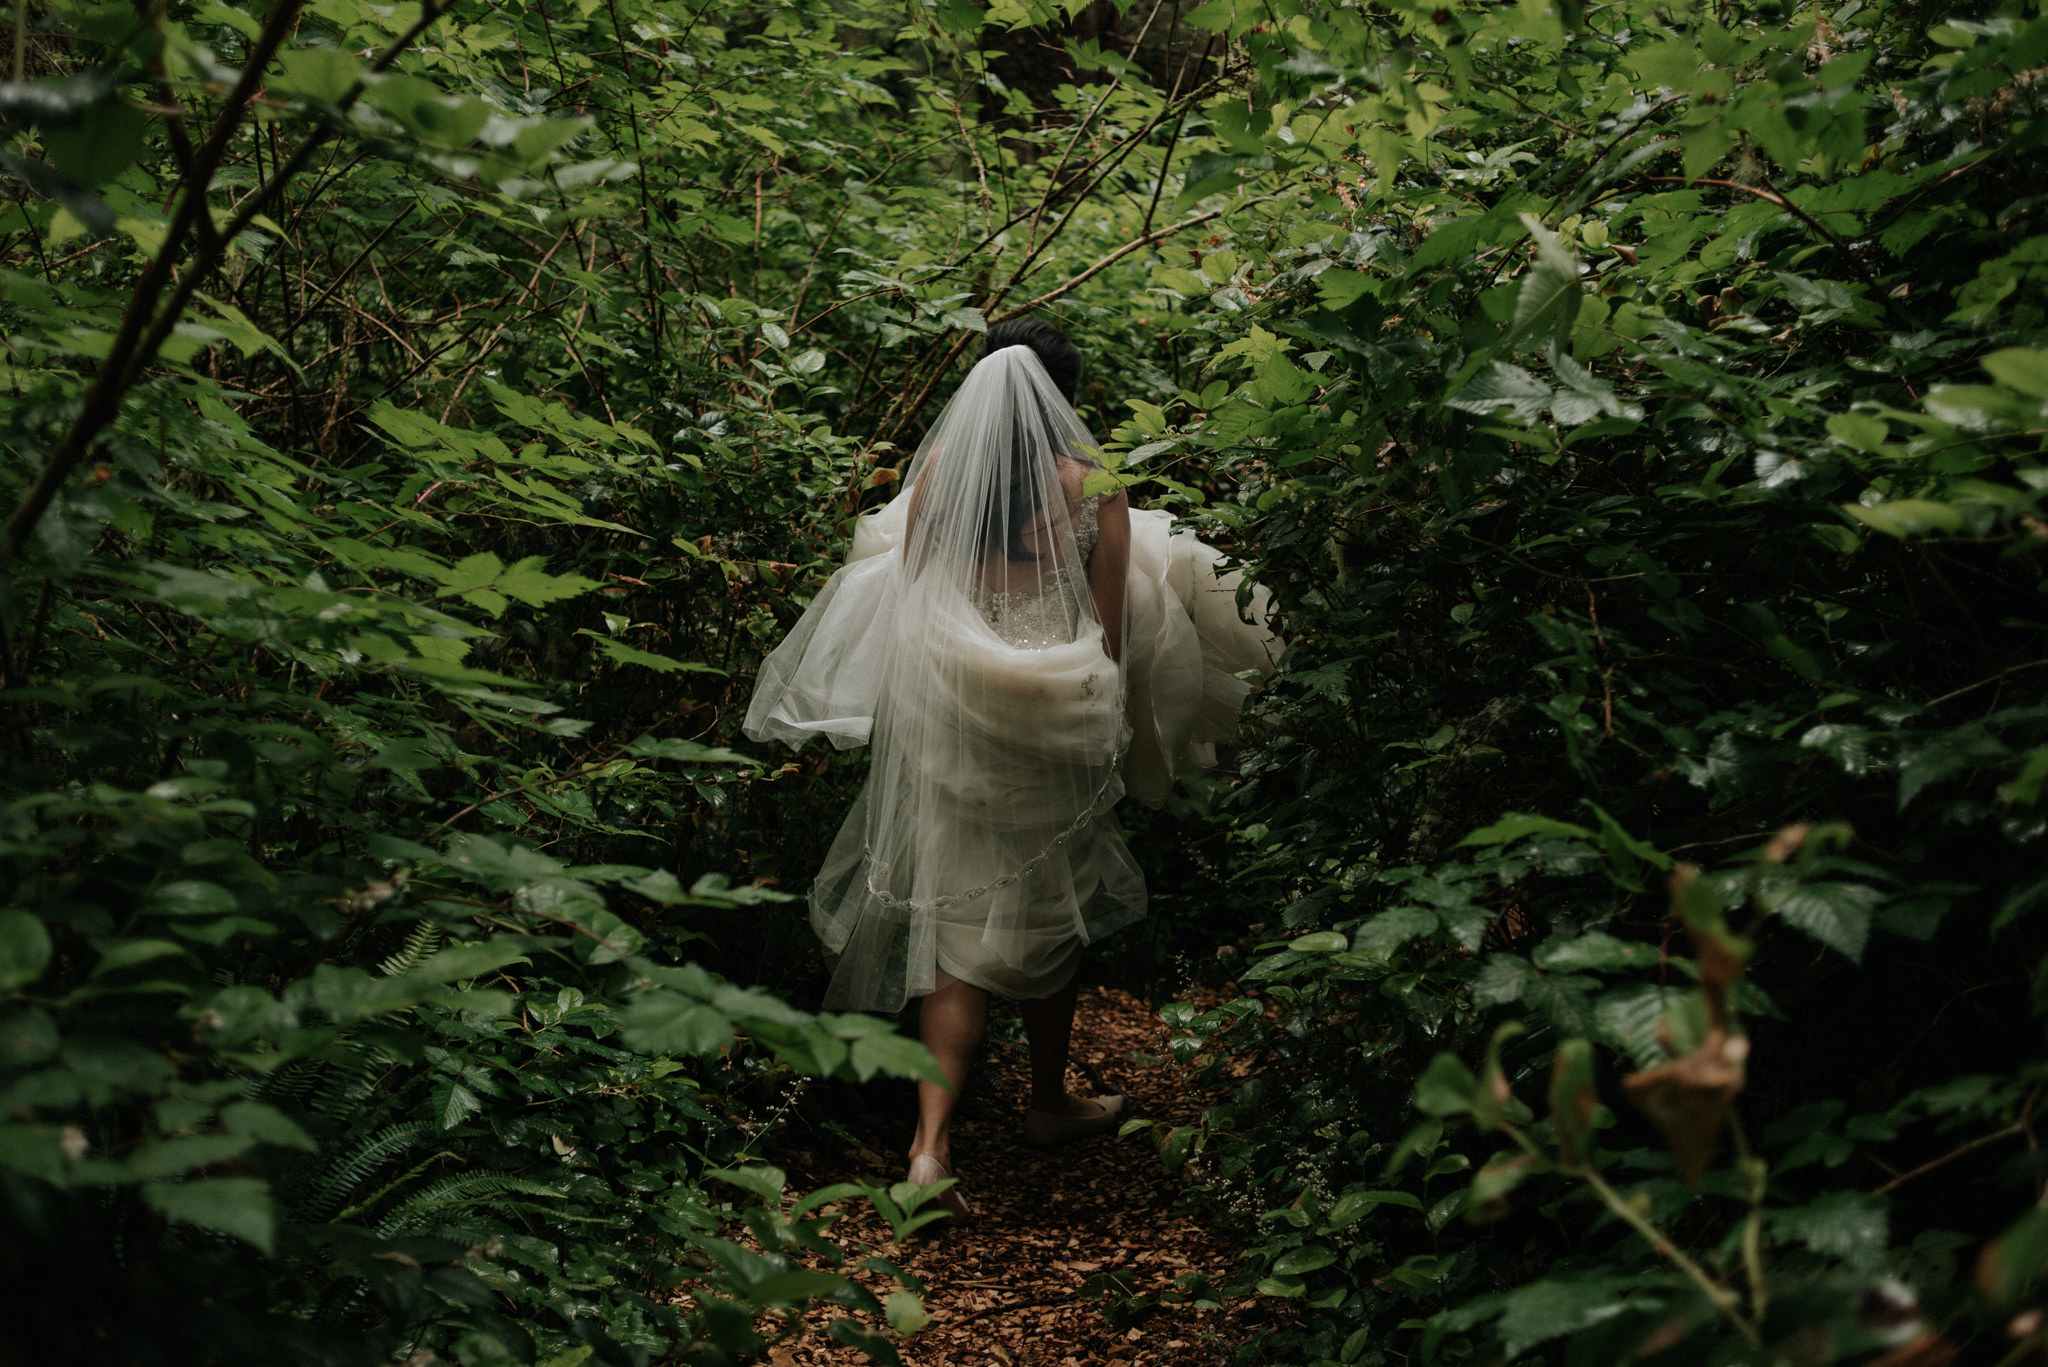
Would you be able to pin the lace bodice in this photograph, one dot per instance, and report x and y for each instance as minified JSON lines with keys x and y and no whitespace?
{"x":1049,"y":616}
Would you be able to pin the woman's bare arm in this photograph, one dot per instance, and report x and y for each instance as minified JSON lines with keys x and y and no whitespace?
{"x":1106,"y":571}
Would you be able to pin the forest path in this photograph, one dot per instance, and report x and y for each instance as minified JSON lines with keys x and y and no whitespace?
{"x":1024,"y":1283}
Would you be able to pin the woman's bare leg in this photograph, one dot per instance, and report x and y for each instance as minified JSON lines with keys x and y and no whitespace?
{"x":951,"y":1021}
{"x":1049,"y":1021}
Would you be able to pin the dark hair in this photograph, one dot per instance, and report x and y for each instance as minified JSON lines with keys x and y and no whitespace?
{"x":1060,"y":357}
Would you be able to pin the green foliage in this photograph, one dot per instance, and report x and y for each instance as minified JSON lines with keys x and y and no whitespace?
{"x":1639,"y":410}
{"x":349,"y":860}
{"x":420,"y":422}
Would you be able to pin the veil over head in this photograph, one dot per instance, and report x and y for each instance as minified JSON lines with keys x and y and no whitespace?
{"x":963,"y":644}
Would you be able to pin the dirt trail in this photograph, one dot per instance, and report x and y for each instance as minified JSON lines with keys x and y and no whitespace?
{"x":1055,"y":1229}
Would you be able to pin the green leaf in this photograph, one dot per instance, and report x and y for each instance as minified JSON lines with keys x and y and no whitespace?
{"x":237,"y":1206}
{"x":1842,"y":1224}
{"x":24,"y":949}
{"x":1497,"y":385}
{"x":106,"y":143}
{"x":319,"y":73}
{"x":1516,"y":825}
{"x":2022,"y":368}
{"x":1340,"y":289}
{"x":1596,"y":951}
{"x":794,"y":1287}
{"x":2019,"y":1255}
{"x":1321,"y":942}
{"x":665,"y":1023}
{"x":1907,"y":517}
{"x":261,"y":1124}
{"x":27,"y":1037}
{"x":618,"y":652}
{"x":760,"y":1179}
{"x":893,"y":1055}
{"x":1446,"y":1087}
{"x":1310,"y":1258}
{"x":188,"y":897}
{"x":906,"y":1312}
{"x":1552,"y":1308}
{"x":1836,"y":914}
{"x":454,"y":1103}
{"x":1353,"y":1204}
{"x":1548,"y":300}
{"x":527,"y":582}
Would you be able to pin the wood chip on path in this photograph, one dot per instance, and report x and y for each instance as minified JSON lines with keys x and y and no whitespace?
{"x":1022,"y":1284}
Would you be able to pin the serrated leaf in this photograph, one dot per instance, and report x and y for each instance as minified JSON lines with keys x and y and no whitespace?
{"x":1548,"y":299}
{"x":454,"y":1103}
{"x":664,"y":1023}
{"x":620,"y":653}
{"x":1497,"y":384}
{"x":1552,"y":1308}
{"x":1836,"y":914}
{"x":1842,"y":1224}
{"x":1502,"y":980}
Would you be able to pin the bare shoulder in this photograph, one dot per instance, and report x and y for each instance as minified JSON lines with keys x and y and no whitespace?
{"x":1073,"y":473}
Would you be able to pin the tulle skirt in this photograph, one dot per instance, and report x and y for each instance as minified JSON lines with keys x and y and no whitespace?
{"x":990,"y":851}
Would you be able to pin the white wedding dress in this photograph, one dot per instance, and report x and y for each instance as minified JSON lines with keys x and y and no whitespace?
{"x":1003,"y":734}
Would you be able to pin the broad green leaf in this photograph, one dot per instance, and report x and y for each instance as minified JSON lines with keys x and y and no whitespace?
{"x":24,"y":949}
{"x":1353,"y":1204}
{"x":1309,"y":1258}
{"x":1553,"y":1307}
{"x":2024,"y":368}
{"x":1595,"y":951}
{"x":1446,"y":1087}
{"x":1843,"y":1224}
{"x":189,"y":897}
{"x":664,"y":1023}
{"x":761,"y":1179}
{"x":320,"y":73}
{"x":1548,"y":300}
{"x":1516,"y":825}
{"x":1836,"y":914}
{"x":237,"y":1206}
{"x":28,"y":1036}
{"x":906,"y":1312}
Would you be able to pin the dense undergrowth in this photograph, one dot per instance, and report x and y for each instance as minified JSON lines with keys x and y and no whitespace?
{"x":420,"y":420}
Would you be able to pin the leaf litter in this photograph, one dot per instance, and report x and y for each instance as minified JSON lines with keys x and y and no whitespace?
{"x":1078,"y":1255}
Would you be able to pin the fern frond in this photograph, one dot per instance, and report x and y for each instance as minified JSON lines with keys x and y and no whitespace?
{"x":457,"y":1190}
{"x":424,"y":940}
{"x":326,"y":1192}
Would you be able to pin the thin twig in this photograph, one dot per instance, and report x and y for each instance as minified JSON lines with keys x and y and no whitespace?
{"x":1134,"y":245}
{"x":2016,"y":1128}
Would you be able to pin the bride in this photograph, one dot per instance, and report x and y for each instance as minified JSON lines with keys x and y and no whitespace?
{"x":1019,"y":652}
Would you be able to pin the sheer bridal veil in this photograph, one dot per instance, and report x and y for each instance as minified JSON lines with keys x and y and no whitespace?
{"x":963,"y":644}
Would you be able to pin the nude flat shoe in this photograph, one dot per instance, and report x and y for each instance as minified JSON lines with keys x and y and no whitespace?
{"x":925,"y":1170}
{"x":1051,"y":1127}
